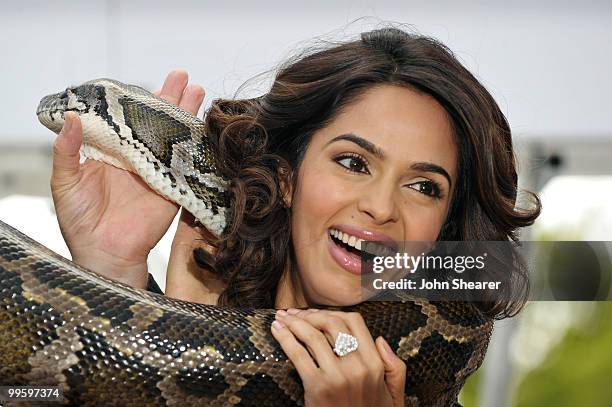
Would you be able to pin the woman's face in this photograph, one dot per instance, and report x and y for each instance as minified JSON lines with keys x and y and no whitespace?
{"x":385,"y":168}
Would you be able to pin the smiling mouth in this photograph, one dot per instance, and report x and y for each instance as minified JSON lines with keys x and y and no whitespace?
{"x":366,"y":250}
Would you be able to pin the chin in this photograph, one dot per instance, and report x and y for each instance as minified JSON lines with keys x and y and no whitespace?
{"x":340,"y":298}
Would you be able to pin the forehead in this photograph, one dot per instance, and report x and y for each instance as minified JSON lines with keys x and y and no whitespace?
{"x":407,"y":125}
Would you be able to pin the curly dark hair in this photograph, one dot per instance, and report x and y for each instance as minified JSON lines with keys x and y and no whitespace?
{"x":261,"y":141}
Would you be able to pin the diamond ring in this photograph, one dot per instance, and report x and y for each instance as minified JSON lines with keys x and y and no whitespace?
{"x":345,"y":344}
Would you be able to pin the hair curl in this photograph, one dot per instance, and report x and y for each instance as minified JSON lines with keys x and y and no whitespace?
{"x":259,"y":141}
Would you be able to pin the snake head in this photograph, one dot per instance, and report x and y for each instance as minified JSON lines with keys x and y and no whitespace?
{"x":88,"y":98}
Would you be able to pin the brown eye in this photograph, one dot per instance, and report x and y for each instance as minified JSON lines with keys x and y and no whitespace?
{"x":428,"y":188}
{"x":353,"y":163}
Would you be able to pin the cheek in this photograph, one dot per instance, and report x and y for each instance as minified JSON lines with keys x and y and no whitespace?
{"x":424,"y":225}
{"x":318,"y":197}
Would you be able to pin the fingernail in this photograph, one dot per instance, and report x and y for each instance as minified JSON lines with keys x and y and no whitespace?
{"x":277,"y":325}
{"x":387,"y":347}
{"x":293,"y":311}
{"x":281,"y":313}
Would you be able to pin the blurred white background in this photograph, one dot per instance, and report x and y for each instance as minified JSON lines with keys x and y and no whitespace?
{"x":547,"y":63}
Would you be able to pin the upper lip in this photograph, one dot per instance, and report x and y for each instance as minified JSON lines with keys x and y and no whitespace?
{"x":366,"y":234}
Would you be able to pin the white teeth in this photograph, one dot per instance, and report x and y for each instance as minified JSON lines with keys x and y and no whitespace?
{"x":352,"y":241}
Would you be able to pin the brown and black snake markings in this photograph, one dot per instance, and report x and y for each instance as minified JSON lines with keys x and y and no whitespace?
{"x":106,"y":343}
{"x":109,"y":344}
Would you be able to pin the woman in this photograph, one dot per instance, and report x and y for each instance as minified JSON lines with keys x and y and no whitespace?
{"x":384,"y":137}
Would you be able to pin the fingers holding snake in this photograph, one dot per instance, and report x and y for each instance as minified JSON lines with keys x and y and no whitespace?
{"x":173,"y":86}
{"x":177,"y":90}
{"x":355,"y":378}
{"x":66,"y":153}
{"x":314,"y":340}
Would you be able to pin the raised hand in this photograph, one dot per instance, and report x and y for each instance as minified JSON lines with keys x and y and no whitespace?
{"x":110,"y":218}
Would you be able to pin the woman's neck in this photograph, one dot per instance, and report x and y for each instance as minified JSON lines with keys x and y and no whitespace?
{"x":288,"y":295}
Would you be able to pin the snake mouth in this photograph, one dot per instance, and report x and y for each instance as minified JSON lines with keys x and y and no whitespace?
{"x":51,"y":109}
{"x":66,"y":101}
{"x":57,"y":110}
{"x":53,"y":103}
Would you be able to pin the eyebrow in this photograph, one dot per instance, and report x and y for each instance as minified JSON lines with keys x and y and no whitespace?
{"x":380,"y":154}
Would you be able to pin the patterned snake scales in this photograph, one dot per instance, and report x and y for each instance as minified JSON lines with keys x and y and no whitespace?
{"x":108,"y":344}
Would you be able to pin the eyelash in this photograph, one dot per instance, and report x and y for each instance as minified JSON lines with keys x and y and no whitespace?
{"x":435,"y":186}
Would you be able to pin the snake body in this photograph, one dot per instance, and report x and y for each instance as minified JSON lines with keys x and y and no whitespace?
{"x":106,"y":343}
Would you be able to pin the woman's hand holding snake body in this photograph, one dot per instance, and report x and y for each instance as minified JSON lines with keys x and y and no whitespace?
{"x":372,"y":375}
{"x":111,"y":219}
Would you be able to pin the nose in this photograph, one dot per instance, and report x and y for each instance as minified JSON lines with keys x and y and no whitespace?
{"x":379,"y":203}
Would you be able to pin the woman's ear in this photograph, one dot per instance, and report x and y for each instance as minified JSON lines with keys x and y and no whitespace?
{"x":284,"y":176}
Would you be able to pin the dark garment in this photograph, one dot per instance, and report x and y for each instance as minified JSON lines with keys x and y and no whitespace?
{"x":152,"y":286}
